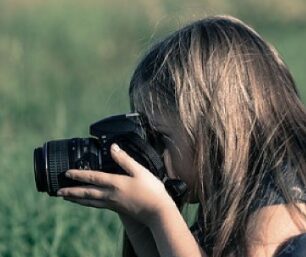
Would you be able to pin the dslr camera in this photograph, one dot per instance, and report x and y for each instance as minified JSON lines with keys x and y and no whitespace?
{"x":130,"y":131}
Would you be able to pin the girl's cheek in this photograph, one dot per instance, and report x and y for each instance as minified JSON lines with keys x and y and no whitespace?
{"x":168,"y":164}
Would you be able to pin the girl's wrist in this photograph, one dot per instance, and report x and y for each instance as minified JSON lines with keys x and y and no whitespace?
{"x":163,"y":213}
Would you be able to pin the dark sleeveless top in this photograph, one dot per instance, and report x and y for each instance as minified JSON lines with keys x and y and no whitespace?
{"x":294,"y":247}
{"x":268,"y":194}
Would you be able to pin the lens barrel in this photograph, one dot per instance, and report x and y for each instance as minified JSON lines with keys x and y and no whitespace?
{"x":55,"y":157}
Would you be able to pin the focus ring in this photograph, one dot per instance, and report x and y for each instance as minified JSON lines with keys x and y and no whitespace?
{"x":58,"y":162}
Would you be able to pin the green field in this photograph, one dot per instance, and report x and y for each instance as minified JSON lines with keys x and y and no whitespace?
{"x":66,"y":64}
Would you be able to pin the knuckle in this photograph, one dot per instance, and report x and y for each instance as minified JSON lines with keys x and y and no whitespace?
{"x":113,"y":193}
{"x":91,"y":178}
{"x":107,"y":197}
{"x":111,"y":198}
{"x":114,"y":189}
{"x":116,"y":186}
{"x":100,"y":181}
{"x":72,"y":175}
{"x":64,"y":192}
{"x":86,"y":193}
{"x":69,"y":193}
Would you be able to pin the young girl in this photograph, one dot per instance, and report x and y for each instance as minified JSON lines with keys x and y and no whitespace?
{"x":233,"y":128}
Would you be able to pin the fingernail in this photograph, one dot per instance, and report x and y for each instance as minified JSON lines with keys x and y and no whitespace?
{"x":115,"y":148}
{"x":60,"y":193}
{"x":68,"y":174}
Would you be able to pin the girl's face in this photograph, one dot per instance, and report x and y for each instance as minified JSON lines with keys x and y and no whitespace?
{"x":177,"y":151}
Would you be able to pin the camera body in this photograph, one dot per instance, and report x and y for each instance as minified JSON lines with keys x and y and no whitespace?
{"x":55,"y":157}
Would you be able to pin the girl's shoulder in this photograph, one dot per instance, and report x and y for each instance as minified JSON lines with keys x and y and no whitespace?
{"x":273,"y":226}
{"x":272,"y":219}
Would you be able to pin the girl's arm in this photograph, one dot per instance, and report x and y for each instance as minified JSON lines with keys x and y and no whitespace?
{"x":172,"y":235}
{"x":140,"y":237}
{"x":142,"y":196}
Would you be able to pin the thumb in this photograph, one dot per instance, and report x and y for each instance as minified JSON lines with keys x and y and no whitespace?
{"x":125,"y":161}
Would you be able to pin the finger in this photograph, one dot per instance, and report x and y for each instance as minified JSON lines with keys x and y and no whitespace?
{"x":125,"y":161}
{"x":85,"y":192}
{"x":97,"y":178}
{"x":89,"y":203}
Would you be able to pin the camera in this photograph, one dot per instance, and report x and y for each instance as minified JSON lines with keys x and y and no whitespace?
{"x":130,"y":131}
{"x":55,"y":157}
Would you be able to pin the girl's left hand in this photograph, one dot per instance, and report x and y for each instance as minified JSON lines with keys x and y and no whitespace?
{"x":139,"y":193}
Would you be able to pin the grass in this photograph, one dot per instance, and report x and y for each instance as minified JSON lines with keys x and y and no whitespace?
{"x":64,"y":65}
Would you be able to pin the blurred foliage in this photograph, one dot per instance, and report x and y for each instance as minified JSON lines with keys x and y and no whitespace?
{"x":66,"y":64}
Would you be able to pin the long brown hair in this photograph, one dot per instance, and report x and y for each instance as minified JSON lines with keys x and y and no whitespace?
{"x":240,"y":108}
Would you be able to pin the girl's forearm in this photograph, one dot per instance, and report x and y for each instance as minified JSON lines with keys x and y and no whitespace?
{"x":140,"y":238}
{"x":172,"y":235}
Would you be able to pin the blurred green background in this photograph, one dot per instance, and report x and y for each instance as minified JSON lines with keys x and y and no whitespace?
{"x":67,"y":63}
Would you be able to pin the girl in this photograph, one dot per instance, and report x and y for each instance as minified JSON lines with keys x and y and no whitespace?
{"x":233,"y":129}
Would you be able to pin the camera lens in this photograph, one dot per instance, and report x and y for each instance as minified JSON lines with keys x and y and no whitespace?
{"x":55,"y":157}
